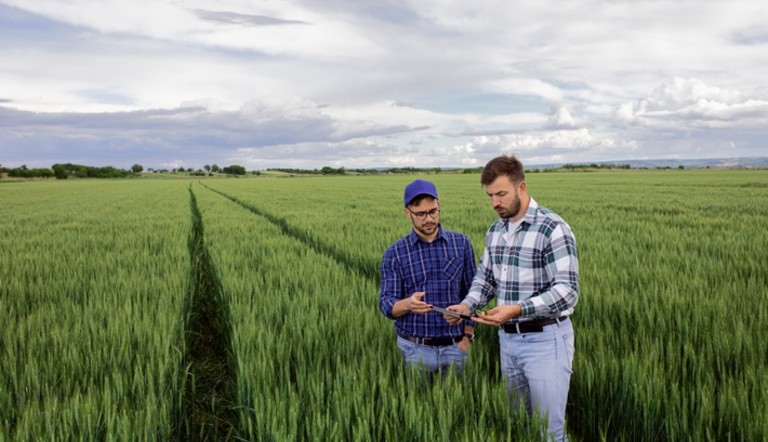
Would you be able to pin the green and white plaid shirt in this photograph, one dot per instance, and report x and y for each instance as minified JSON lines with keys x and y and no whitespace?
{"x":536,"y":266}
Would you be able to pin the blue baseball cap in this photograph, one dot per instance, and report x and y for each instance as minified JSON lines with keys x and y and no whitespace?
{"x":419,"y":187}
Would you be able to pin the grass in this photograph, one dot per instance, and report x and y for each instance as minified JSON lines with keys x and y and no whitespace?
{"x":274,"y":282}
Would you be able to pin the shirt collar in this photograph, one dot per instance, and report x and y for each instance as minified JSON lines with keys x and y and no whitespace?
{"x":528,"y":218}
{"x":530,"y":214}
{"x":413,"y":238}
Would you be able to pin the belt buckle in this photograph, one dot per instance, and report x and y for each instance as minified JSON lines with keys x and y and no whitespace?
{"x":511,"y":327}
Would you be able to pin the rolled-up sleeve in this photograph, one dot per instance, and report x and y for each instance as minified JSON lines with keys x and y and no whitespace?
{"x":470,"y":267}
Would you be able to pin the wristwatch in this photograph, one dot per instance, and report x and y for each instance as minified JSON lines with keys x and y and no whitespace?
{"x":471,"y":336}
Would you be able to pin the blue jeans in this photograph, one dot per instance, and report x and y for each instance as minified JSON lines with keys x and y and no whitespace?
{"x":537,"y":367}
{"x":431,"y":359}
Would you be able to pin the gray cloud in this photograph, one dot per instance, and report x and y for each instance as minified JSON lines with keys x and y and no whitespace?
{"x":105,"y":96}
{"x":756,"y":35}
{"x":234,"y":18}
{"x":194,"y":133}
{"x":379,"y":83}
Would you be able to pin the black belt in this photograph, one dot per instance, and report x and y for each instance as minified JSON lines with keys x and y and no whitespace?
{"x":434,"y":342}
{"x":530,"y":326}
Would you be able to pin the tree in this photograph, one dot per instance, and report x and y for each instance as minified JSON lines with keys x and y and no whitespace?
{"x":137,"y":168}
{"x":215,"y":168}
{"x":234,"y":170}
{"x":328,"y":170}
{"x":207,"y":167}
{"x":60,"y":172}
{"x":25,"y":172}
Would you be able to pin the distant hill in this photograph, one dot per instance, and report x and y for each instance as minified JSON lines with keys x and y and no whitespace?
{"x":745,"y":162}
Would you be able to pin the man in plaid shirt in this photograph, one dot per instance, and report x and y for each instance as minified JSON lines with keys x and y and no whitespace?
{"x":531,"y":266}
{"x":428,"y":267}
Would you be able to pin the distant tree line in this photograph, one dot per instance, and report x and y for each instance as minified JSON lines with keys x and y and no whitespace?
{"x":595,"y":166}
{"x":328,"y":170}
{"x":208,"y":169}
{"x":24,"y":172}
{"x":66,"y":170}
{"x":63,"y":171}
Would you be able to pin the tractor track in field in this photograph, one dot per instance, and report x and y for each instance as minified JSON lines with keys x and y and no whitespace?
{"x":366,"y":271}
{"x":209,"y":398}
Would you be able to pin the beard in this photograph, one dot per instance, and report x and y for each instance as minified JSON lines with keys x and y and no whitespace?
{"x":511,"y":210}
{"x":427,"y":228}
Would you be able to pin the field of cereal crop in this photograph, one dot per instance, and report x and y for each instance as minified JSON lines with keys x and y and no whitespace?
{"x":247,"y":309}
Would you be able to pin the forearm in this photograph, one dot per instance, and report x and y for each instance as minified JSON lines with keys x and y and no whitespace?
{"x":559,"y":298}
{"x":400,"y":308}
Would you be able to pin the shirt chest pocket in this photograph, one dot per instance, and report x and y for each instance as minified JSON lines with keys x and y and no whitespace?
{"x":452,"y":269}
{"x":527,"y":258}
{"x":528,"y":263}
{"x":516,"y":263}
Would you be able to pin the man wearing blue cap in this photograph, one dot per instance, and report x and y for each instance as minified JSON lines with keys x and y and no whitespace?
{"x":428,"y":267}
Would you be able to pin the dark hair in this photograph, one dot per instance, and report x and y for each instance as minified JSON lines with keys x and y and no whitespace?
{"x":417,"y":199}
{"x":503,"y":165}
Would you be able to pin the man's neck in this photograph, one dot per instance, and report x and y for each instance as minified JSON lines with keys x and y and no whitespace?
{"x":525,"y":201}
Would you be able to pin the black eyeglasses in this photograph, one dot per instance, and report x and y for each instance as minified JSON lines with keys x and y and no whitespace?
{"x":423,"y":215}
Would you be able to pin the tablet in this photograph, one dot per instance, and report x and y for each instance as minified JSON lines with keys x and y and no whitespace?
{"x":445,"y":311}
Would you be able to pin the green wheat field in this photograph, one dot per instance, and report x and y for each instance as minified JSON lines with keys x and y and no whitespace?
{"x":247,"y":309}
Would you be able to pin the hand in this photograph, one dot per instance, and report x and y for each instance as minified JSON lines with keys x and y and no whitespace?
{"x":411,"y":304}
{"x":458,"y":308}
{"x":416,"y":305}
{"x":464,"y":344}
{"x":498,"y":315}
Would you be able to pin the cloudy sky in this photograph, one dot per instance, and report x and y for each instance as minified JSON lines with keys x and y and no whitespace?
{"x":379,"y":83}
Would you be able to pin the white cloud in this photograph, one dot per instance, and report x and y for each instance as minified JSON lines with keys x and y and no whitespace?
{"x":527,"y":86}
{"x":543,"y":147}
{"x":289,"y":28}
{"x":561,"y":118}
{"x":686,"y":104}
{"x":379,"y":83}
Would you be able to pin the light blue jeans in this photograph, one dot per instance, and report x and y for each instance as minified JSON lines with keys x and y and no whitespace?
{"x":537,"y":367}
{"x":432,"y":359}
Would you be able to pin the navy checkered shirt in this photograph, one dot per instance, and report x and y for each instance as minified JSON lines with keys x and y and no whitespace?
{"x":443,"y":269}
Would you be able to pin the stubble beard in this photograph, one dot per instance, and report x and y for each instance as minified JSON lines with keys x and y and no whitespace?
{"x":427,"y":229}
{"x":512,"y":210}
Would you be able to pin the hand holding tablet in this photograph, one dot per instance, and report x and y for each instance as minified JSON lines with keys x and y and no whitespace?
{"x":445,"y":311}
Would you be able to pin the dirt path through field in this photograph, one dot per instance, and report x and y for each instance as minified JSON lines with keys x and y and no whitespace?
{"x":209,"y":395}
